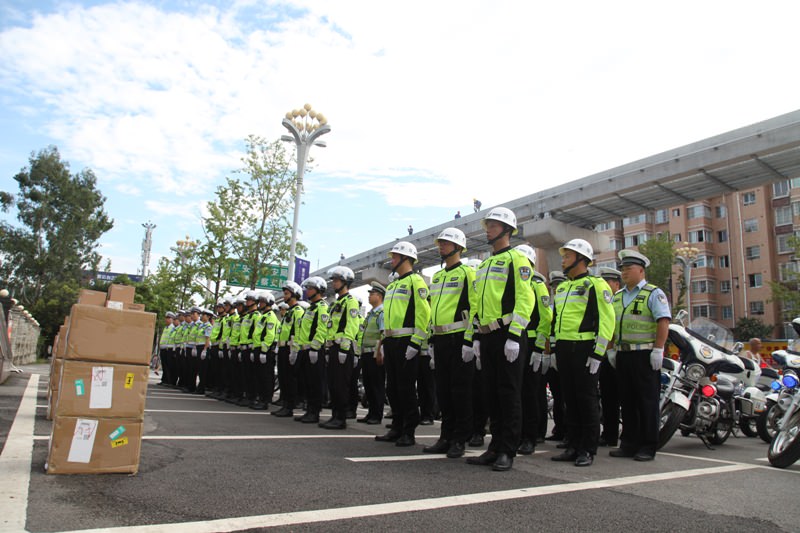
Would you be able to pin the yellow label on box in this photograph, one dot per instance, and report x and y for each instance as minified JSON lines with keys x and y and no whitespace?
{"x":129,"y":380}
{"x":119,"y":442}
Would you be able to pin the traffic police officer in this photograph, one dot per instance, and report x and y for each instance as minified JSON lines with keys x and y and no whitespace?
{"x":212,"y":362}
{"x":203,"y":348}
{"x":406,"y":318}
{"x":452,"y":298}
{"x":235,"y":359}
{"x":369,"y":341}
{"x":247,"y":368}
{"x":193,"y":342}
{"x":642,"y":324}
{"x":164,"y":343}
{"x":538,"y":331}
{"x":342,"y":331}
{"x":583,"y":324}
{"x":224,"y":347}
{"x":287,"y":356}
{"x":550,"y":369}
{"x":264,"y":336}
{"x":609,"y":395}
{"x":309,"y":341}
{"x":503,"y":310}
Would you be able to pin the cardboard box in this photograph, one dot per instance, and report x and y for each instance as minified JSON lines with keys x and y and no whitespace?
{"x":56,"y":365}
{"x":91,"y":445}
{"x":133,"y":307}
{"x":62,"y":340}
{"x":121,"y":293}
{"x":91,"y":297}
{"x":101,"y":334}
{"x":102,"y":390}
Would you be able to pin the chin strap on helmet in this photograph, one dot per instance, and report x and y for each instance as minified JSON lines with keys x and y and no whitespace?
{"x":404,"y":258}
{"x":507,"y":230}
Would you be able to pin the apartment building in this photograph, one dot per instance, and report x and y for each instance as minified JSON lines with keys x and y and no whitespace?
{"x":741,"y":241}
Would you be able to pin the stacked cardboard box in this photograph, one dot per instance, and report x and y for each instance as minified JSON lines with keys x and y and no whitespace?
{"x":102,"y":384}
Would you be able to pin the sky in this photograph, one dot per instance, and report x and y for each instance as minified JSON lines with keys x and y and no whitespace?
{"x":431,"y":104}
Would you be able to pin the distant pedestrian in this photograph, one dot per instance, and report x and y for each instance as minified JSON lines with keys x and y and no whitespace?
{"x":458,"y":215}
{"x":476,"y":204}
{"x":341,"y":257}
{"x":410,"y":229}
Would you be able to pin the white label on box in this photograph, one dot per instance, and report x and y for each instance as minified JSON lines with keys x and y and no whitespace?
{"x":101,"y":391}
{"x":80,"y":451}
{"x":111,"y":304}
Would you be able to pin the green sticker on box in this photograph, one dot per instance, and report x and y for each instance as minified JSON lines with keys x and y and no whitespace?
{"x":80,"y":390}
{"x":116,"y":433}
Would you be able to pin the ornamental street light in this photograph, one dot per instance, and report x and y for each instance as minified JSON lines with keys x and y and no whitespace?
{"x":686,"y":255}
{"x":184,"y":251}
{"x":306,"y":126}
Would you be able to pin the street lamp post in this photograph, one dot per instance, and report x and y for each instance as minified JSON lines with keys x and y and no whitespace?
{"x":183,"y":250}
{"x":306,"y":126}
{"x":687,"y":254}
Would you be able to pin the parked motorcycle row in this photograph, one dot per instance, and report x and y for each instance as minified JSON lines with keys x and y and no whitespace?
{"x":710,"y":391}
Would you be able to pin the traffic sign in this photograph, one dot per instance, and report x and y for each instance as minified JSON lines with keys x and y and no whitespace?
{"x":270,"y":277}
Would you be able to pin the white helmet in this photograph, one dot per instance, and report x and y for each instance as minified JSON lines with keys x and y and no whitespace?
{"x":293,"y":288}
{"x":238,"y":300}
{"x":504,"y":215}
{"x":454,"y":235}
{"x":266,"y":297}
{"x":528,"y":252}
{"x":580,"y":247}
{"x":316,"y":283}
{"x":344,"y":273}
{"x":251,"y":295}
{"x":404,"y":248}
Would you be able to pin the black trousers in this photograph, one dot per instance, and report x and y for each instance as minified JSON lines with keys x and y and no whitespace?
{"x":580,"y":395}
{"x":230,"y":368}
{"x":180,"y":367}
{"x":639,"y":389}
{"x":401,"y":378}
{"x":503,"y":382}
{"x":480,"y":413}
{"x":163,"y":354}
{"x":339,"y":380}
{"x":453,"y":387}
{"x":426,"y":388}
{"x":553,"y":380}
{"x":352,"y":390}
{"x":374,"y":376}
{"x":609,"y":402}
{"x":286,"y":378}
{"x":191,"y":368}
{"x":174,"y":366}
{"x":312,"y":375}
{"x":531,"y":410}
{"x":203,"y":368}
{"x":265,"y":375}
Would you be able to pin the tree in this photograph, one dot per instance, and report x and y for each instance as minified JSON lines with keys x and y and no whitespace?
{"x":786,"y":292}
{"x":661,"y":255}
{"x":748,"y":327}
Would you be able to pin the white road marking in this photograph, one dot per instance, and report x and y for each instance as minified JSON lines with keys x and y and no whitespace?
{"x":428,"y":504}
{"x":427,"y":456}
{"x":15,"y":462}
{"x":249,"y":412}
{"x":794,"y":469}
{"x":240,"y":437}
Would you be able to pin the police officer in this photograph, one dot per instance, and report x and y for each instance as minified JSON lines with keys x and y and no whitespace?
{"x":609,"y":395}
{"x":203,"y":348}
{"x":309,"y":342}
{"x":583,"y":324}
{"x":454,"y":362}
{"x":180,"y":349}
{"x":264,"y":335}
{"x":538,"y":331}
{"x":342,"y":331}
{"x":642,"y":324}
{"x":503,"y":310}
{"x":550,"y":370}
{"x":287,"y":355}
{"x":211,"y":369}
{"x":369,"y":341}
{"x":224,"y":348}
{"x":164,"y":347}
{"x":194,"y":340}
{"x":480,"y":413}
{"x":406,"y":317}
{"x":352,"y":390}
{"x":247,"y":370}
{"x":232,"y":383}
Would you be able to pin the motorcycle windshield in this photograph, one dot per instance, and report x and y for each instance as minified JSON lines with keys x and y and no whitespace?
{"x":712,"y":333}
{"x":794,"y":347}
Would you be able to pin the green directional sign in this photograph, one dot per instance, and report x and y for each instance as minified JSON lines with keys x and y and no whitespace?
{"x":270,"y":277}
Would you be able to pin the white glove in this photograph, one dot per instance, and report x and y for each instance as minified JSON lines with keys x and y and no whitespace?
{"x":252,"y":357}
{"x":411,"y":352}
{"x":292,"y":357}
{"x":476,"y":347}
{"x":239,"y":355}
{"x":327,"y":357}
{"x":432,"y":364}
{"x":467,"y":353}
{"x":313,"y":356}
{"x":194,"y":351}
{"x":342,"y":357}
{"x":221,"y":354}
{"x":554,"y":362}
{"x":546,"y":362}
{"x":612,"y":357}
{"x":379,"y":352}
{"x":536,"y":361}
{"x":593,"y":365}
{"x":511,"y":349}
{"x":203,"y":355}
{"x":656,"y":358}
{"x":478,"y":362}
{"x":263,"y":358}
{"x":430,"y":350}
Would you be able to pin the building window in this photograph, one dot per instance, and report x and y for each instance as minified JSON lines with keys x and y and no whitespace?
{"x":703,"y":286}
{"x":722,"y":235}
{"x":784,"y":245}
{"x":676,"y":212}
{"x":636,"y":239}
{"x":616,"y":244}
{"x":724,"y":261}
{"x":698,"y":211}
{"x":705,"y":311}
{"x":795,"y":183}
{"x":676,"y":237}
{"x":721,"y":211}
{"x":788,"y":271}
{"x":751,"y":225}
{"x":757,"y":308}
{"x":605,"y":226}
{"x":635,"y":219}
{"x":662,"y":216}
{"x":749,"y":198}
{"x":704,"y":261}
{"x":754,"y":281}
{"x":753,"y":252}
{"x":780,"y":188}
{"x":701,"y":235}
{"x":725,"y":286}
{"x":796,"y":209}
{"x":783,"y":215}
{"x":727,"y":312}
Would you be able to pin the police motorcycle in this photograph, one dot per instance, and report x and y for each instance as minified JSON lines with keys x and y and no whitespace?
{"x":697,"y":393}
{"x":789,"y":361}
{"x":784,"y":450}
{"x":750,"y":393}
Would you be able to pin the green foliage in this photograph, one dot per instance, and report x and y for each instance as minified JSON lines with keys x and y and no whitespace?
{"x":53,"y":306}
{"x":749,"y":327}
{"x":786,"y":292}
{"x":659,"y":250}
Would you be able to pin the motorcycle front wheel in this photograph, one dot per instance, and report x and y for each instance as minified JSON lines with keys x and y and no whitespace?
{"x":766,"y":421}
{"x":748,"y":426}
{"x":671,"y":416}
{"x":785,"y":447}
{"x":720,"y":431}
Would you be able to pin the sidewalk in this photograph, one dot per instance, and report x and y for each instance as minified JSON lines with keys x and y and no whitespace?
{"x":11,"y":394}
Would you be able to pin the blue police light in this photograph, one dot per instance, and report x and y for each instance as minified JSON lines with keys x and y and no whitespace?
{"x":790,"y":381}
{"x":775,"y":385}
{"x":664,"y":379}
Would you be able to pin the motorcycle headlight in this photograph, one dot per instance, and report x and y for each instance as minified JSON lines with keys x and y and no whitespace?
{"x":695,"y":372}
{"x":790,"y":381}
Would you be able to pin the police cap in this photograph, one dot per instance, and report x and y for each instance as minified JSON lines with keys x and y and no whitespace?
{"x":610,"y":273}
{"x":377,"y":287}
{"x":632,"y":257}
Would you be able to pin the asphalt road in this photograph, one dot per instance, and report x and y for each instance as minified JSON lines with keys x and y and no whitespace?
{"x":210,"y":466}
